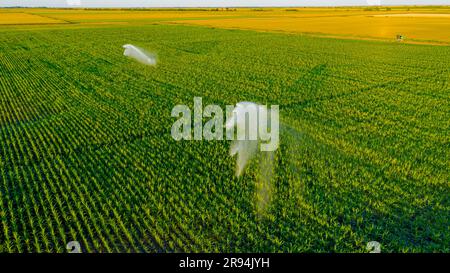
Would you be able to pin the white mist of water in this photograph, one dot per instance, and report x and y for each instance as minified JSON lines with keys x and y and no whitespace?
{"x":246,"y":150}
{"x":139,"y":55}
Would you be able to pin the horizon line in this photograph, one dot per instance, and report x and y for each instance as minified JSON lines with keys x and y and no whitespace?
{"x":191,"y":7}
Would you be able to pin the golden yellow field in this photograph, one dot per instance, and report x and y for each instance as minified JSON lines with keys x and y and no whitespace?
{"x":359,"y":26}
{"x":416,"y":24}
{"x":127,"y":16}
{"x":20,"y":18}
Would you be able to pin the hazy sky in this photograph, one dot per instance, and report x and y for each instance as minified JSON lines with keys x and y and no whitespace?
{"x":212,"y":3}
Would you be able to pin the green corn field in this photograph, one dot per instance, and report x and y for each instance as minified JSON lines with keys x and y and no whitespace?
{"x":87,"y":155}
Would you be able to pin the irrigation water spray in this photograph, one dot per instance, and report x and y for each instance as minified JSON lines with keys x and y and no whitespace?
{"x":245,"y":149}
{"x":257,"y":136}
{"x":251,"y":117}
{"x":139,"y":55}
